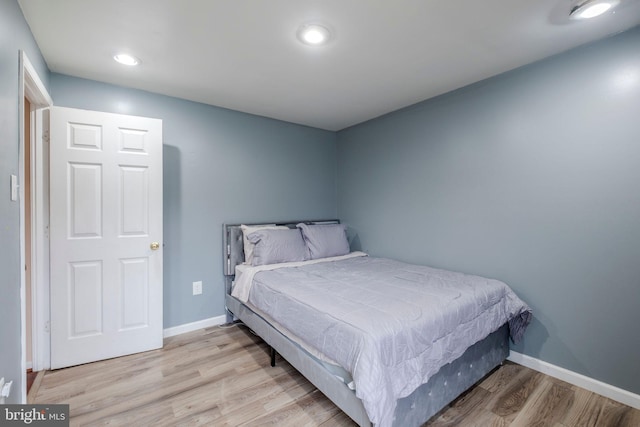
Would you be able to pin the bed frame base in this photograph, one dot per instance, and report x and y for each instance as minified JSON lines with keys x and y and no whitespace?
{"x":413,"y":410}
{"x":453,"y":379}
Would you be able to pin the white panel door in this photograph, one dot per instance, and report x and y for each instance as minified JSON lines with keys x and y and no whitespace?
{"x":106,"y":235}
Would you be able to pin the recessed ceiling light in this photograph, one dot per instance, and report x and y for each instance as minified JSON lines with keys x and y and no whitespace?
{"x":314,"y":34}
{"x":592,"y":8}
{"x":125,"y":59}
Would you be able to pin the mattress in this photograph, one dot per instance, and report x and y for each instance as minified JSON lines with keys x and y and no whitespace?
{"x":390,"y":324}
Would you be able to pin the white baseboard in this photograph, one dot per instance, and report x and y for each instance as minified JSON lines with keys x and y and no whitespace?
{"x":194,"y":326}
{"x":603,"y":389}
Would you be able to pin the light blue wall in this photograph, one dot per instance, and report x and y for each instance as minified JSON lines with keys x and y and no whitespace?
{"x":219,"y":166}
{"x":14,"y":36}
{"x":531,"y":177}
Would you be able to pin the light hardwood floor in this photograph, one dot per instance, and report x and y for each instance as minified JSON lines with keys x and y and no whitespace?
{"x":222,"y":377}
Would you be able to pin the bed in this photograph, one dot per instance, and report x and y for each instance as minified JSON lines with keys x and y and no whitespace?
{"x":389,"y":343}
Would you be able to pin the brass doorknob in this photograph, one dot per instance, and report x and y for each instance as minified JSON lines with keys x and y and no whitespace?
{"x":155,"y":246}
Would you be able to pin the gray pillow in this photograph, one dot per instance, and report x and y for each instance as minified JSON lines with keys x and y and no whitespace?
{"x":325,"y":240}
{"x":276,"y":246}
{"x":248,"y":246}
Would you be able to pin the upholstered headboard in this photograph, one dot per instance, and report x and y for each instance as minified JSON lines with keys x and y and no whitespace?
{"x":233,"y":248}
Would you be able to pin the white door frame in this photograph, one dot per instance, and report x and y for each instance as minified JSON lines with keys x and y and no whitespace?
{"x":32,"y":88}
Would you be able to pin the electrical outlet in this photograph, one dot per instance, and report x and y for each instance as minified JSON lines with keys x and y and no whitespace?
{"x":197,"y":288}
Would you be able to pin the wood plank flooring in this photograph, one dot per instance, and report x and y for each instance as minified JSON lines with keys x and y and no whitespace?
{"x":31,"y":377}
{"x":222,"y":377}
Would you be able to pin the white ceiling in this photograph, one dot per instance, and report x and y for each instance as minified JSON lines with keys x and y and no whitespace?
{"x":244,"y":55}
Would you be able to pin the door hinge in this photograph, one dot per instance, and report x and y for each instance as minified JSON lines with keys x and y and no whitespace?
{"x":47,"y":326}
